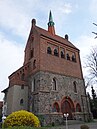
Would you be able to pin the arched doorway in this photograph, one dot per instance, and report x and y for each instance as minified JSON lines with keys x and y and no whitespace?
{"x":67,"y":106}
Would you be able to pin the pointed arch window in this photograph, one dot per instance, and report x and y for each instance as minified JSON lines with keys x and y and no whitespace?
{"x":34,"y":64}
{"x":33,"y":85}
{"x":21,"y":102}
{"x":73,"y":58}
{"x":32,"y":53}
{"x":67,"y":56}
{"x":75,"y":88}
{"x":22,"y":87}
{"x":56,"y":107}
{"x":55,"y":52}
{"x":78,"y":108}
{"x":62,"y":54}
{"x":54,"y":83}
{"x":23,"y":77}
{"x":49,"y":51}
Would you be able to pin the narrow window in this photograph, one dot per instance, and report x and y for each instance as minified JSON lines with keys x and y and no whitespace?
{"x":56,"y":107}
{"x":23,"y":77}
{"x":49,"y":51}
{"x":21,"y":102}
{"x":22,"y":87}
{"x":34,"y":64}
{"x":32,"y":53}
{"x":75,"y":88}
{"x":55,"y":52}
{"x":33,"y":85}
{"x":73,"y":58}
{"x":54,"y":84}
{"x":78,"y":108}
{"x":62,"y":54}
{"x":68,"y":57}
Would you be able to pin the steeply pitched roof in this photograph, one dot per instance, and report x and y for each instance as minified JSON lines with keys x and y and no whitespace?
{"x":57,"y":38}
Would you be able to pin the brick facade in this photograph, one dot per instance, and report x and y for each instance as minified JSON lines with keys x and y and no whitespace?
{"x":51,"y":76}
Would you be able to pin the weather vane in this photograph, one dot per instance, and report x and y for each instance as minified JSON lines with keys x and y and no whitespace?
{"x":95,"y":32}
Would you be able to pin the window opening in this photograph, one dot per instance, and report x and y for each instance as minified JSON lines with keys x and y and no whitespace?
{"x":68,"y":57}
{"x":55,"y":52}
{"x":34,"y":64}
{"x":49,"y":51}
{"x":75,"y":88}
{"x":21,"y":102}
{"x":73,"y":58}
{"x":62,"y":54}
{"x":54,"y":84}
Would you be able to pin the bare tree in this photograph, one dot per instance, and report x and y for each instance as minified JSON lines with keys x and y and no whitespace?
{"x":91,"y":64}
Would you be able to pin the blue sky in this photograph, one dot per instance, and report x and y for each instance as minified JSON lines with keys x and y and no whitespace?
{"x":72,"y":17}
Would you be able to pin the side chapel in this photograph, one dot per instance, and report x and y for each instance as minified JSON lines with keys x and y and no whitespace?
{"x":50,"y":82}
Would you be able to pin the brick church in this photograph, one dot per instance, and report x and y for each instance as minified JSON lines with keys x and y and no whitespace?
{"x":50,"y":82}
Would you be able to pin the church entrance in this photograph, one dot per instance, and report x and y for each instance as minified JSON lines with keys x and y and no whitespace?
{"x":67,"y":106}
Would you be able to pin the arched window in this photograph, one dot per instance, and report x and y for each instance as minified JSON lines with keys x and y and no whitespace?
{"x":49,"y":51}
{"x":67,"y":56}
{"x":54,"y":84}
{"x":33,"y":85}
{"x":32,"y":53}
{"x":75,"y":88}
{"x":22,"y":86}
{"x":78,"y":108}
{"x":73,"y":58}
{"x":21,"y":102}
{"x":56,"y":107}
{"x":55,"y":52}
{"x":62,"y":54}
{"x":34,"y":64}
{"x":23,"y":77}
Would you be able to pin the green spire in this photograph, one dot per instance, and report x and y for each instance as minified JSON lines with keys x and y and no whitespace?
{"x":50,"y":23}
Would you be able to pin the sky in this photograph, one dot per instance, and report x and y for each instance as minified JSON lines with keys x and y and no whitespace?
{"x":72,"y":17}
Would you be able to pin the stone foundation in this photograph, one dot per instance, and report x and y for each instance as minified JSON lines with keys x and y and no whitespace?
{"x":58,"y":119}
{"x":51,"y":119}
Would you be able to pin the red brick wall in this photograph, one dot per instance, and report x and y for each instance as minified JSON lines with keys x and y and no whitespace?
{"x":57,"y":64}
{"x":46,"y":62}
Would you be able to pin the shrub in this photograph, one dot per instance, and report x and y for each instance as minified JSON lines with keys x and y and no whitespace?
{"x":84,"y":127}
{"x":21,"y":118}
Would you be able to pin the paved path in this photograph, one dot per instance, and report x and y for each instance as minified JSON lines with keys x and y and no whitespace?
{"x":91,"y":125}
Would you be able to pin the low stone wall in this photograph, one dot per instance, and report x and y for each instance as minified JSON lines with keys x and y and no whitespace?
{"x":57,"y":118}
{"x":51,"y":119}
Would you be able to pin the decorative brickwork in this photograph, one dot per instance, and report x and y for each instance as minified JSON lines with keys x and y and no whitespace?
{"x":50,"y":82}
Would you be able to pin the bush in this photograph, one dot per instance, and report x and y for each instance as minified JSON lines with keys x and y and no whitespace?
{"x":21,"y":118}
{"x":84,"y":127}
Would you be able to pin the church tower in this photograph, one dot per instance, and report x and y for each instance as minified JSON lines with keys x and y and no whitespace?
{"x":50,"y":82}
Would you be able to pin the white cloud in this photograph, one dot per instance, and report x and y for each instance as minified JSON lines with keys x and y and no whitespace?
{"x":13,"y":19}
{"x":11,"y":58}
{"x":15,"y":16}
{"x":66,"y":8}
{"x":85,"y":43}
{"x":93,"y":7}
